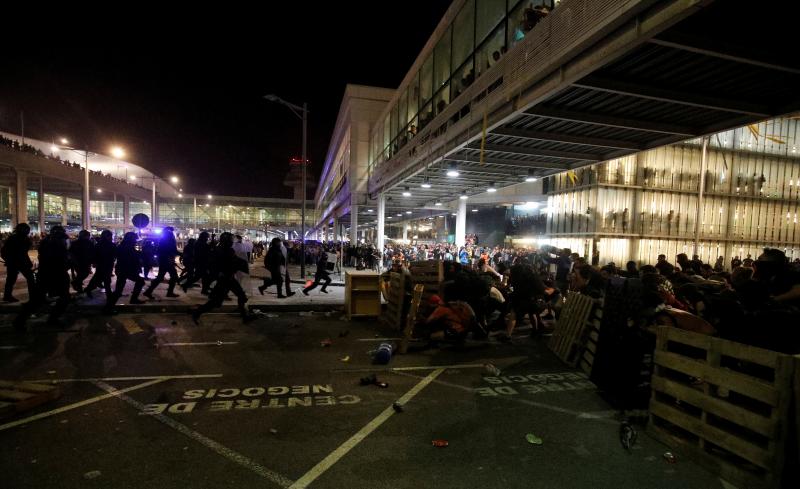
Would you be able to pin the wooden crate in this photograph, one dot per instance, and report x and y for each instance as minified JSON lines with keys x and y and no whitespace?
{"x":16,"y":397}
{"x":429,"y":273}
{"x":362,"y":296}
{"x":592,"y":339}
{"x":724,"y":403}
{"x":569,"y":336}
{"x":395,"y":300}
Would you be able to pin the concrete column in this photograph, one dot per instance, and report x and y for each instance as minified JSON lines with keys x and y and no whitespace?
{"x":405,"y":231}
{"x":381,"y":221}
{"x":335,"y":228}
{"x":40,"y":201}
{"x":126,"y":212}
{"x":21,"y":195}
{"x":461,"y":223}
{"x":85,"y":211}
{"x":354,"y":223}
{"x":64,"y":211}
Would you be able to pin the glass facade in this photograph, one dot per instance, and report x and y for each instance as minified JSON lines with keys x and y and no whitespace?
{"x":480,"y":34}
{"x":643,"y":205}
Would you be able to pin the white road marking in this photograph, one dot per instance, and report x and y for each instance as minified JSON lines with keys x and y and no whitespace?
{"x":578,"y":414}
{"x":201,"y":343}
{"x":354,"y":440}
{"x":379,"y":339}
{"x":406,"y":369}
{"x":726,"y":484}
{"x":145,"y":377}
{"x":76,"y":405}
{"x":11,"y":347}
{"x":215,"y":446}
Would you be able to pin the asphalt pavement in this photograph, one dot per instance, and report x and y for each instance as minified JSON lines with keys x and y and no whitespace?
{"x":154,"y":401}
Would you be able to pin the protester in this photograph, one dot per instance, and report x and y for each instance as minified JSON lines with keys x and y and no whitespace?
{"x":15,"y":254}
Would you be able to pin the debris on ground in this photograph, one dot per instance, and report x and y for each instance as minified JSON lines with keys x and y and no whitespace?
{"x":51,"y":372}
{"x":492,"y":369}
{"x":440,"y":443}
{"x":383,"y":355}
{"x":382,"y":385}
{"x":627,"y":435}
{"x":273,"y":431}
{"x":369,"y":380}
{"x":398,"y":408}
{"x":271,"y":315}
{"x":326,"y":342}
{"x":306,"y":313}
{"x":219,"y":342}
{"x":670,"y":457}
{"x":533,"y":439}
{"x":345,"y":358}
{"x":92,"y":474}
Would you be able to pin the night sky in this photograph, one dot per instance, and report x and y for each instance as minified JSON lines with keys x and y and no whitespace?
{"x":181,"y":92}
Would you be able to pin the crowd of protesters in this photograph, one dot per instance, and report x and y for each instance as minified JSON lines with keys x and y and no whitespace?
{"x":756,"y":301}
{"x":26,"y":148}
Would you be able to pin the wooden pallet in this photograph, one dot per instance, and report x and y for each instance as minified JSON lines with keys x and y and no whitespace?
{"x":586,"y":361}
{"x":429,"y":273}
{"x":569,"y":333}
{"x":394,"y":294}
{"x":735,"y":419}
{"x":16,"y":397}
{"x":408,"y":331}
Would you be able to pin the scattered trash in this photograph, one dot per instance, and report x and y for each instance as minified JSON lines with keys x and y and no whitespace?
{"x":627,"y":435}
{"x":271,"y":315}
{"x":384,"y":353}
{"x":345,"y":358}
{"x":328,"y":314}
{"x":440,"y":443}
{"x":533,"y":439}
{"x":64,"y":421}
{"x":492,"y":369}
{"x":219,"y":342}
{"x":93,"y":474}
{"x":273,"y":431}
{"x":306,"y":313}
{"x":33,"y":460}
{"x":398,"y":408}
{"x":256,"y":311}
{"x":650,"y":458}
{"x":369,"y":380}
{"x":51,"y":372}
{"x":670,"y":457}
{"x":343,"y":318}
{"x":344,"y":333}
{"x":382,"y":385}
{"x":163,"y":309}
{"x":326,"y":342}
{"x":185,"y":448}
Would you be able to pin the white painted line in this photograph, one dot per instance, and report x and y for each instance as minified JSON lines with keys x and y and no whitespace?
{"x":202,"y":343}
{"x":145,"y":377}
{"x":214,"y":446}
{"x":76,"y":405}
{"x":405,"y":369}
{"x":354,"y":440}
{"x":11,"y":347}
{"x":726,"y":484}
{"x":379,"y":339}
{"x":596,"y":416}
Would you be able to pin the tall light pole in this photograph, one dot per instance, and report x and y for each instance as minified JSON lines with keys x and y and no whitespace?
{"x":302,"y":113}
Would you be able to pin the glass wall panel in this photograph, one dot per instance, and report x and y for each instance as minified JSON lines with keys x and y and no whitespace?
{"x":489,"y":14}
{"x":491,"y":51}
{"x":463,"y":78}
{"x":413,"y":98}
{"x":441,"y":61}
{"x":463,"y":34}
{"x":426,"y":81}
{"x":393,"y":132}
{"x":425,"y":115}
{"x":403,"y":112}
{"x":442,"y":99}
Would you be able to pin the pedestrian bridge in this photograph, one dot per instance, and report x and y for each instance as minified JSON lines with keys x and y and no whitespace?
{"x":593,"y":81}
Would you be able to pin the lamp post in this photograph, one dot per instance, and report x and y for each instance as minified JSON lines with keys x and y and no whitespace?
{"x":302,"y":113}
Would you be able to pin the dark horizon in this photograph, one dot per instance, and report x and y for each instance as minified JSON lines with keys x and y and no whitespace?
{"x":195,"y":108}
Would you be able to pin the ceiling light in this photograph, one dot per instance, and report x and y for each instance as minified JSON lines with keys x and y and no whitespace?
{"x":400,"y":214}
{"x":464,"y":195}
{"x":426,"y":183}
{"x":408,"y":212}
{"x":54,"y":148}
{"x":369,"y":210}
{"x":453,"y":171}
{"x":491,"y":188}
{"x":438,"y":203}
{"x":64,"y":141}
{"x":474,"y":210}
{"x":530,"y":177}
{"x":453,"y":214}
{"x":406,"y":192}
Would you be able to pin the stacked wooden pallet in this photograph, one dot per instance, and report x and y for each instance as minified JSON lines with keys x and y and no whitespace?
{"x":395,"y":298}
{"x":724,"y":403}
{"x":430,"y":274}
{"x":586,"y":361}
{"x":16,"y":396}
{"x":569,"y":335}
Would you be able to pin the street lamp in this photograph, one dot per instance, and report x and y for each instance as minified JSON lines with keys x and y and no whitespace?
{"x":116,"y":151}
{"x":302,"y":113}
